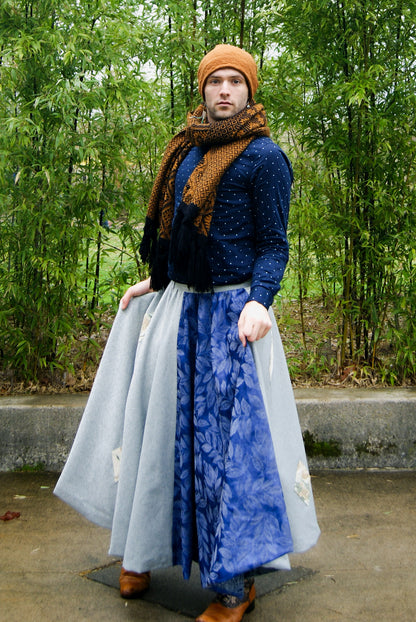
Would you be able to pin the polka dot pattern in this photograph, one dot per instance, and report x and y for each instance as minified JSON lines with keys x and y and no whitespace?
{"x":247,"y":238}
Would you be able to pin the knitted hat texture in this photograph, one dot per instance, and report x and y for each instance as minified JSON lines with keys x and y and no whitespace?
{"x":223,"y":56}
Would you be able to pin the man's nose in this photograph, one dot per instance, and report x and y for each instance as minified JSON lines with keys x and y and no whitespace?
{"x":225,"y":87}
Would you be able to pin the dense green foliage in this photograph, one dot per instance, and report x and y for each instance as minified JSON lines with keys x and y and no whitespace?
{"x":348,"y":97}
{"x":91,"y":91}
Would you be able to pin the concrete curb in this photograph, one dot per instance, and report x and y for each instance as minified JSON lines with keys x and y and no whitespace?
{"x":343,"y":428}
{"x":38,"y":430}
{"x":359,"y":428}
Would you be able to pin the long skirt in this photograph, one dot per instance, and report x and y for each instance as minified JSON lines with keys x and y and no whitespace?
{"x":190,"y":447}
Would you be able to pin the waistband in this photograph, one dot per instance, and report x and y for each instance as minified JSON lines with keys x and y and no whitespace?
{"x":217,"y":288}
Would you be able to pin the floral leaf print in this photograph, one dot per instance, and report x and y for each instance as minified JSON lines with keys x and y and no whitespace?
{"x":229,"y":510}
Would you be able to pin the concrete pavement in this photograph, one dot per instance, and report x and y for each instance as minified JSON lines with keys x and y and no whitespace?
{"x":363,"y":568}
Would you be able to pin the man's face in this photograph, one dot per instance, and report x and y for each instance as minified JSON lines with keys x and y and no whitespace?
{"x":226,"y":93}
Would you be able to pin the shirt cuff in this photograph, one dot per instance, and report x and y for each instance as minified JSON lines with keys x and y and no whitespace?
{"x":262,"y":295}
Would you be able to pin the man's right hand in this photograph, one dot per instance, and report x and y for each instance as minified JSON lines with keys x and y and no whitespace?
{"x":139,"y":289}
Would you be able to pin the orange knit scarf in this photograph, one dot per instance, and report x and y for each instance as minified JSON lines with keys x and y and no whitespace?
{"x":183,"y":240}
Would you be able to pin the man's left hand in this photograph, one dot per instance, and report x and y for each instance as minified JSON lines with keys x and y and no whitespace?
{"x":254,"y":322}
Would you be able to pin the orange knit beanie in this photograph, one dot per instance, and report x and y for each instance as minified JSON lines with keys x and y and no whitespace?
{"x":223,"y":56}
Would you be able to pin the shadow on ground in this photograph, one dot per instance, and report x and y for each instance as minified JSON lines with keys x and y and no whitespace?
{"x":169,"y":589}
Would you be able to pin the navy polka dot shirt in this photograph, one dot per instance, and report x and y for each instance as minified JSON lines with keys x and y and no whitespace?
{"x":247,"y":238}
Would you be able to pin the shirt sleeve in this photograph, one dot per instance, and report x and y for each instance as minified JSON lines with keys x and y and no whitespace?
{"x":271,"y":183}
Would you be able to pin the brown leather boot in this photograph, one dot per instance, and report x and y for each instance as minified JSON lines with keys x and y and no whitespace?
{"x":133,"y":584}
{"x":221,"y":611}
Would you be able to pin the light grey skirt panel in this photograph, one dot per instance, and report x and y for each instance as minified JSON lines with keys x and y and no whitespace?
{"x":87,"y":481}
{"x":142,"y":526}
{"x":287,"y":438}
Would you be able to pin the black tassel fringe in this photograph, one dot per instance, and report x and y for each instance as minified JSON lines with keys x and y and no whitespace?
{"x":159,"y":269}
{"x":188,"y":252}
{"x":148,"y":244}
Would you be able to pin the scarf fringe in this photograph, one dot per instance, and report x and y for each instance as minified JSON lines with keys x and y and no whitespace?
{"x":159,"y":271}
{"x":148,"y":243}
{"x":155,"y":252}
{"x":188,"y":249}
{"x":182,"y":235}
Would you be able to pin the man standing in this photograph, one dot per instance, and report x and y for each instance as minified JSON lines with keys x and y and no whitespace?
{"x":192,"y":398}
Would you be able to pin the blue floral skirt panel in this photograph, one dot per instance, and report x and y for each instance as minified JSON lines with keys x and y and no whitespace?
{"x":229,"y":512}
